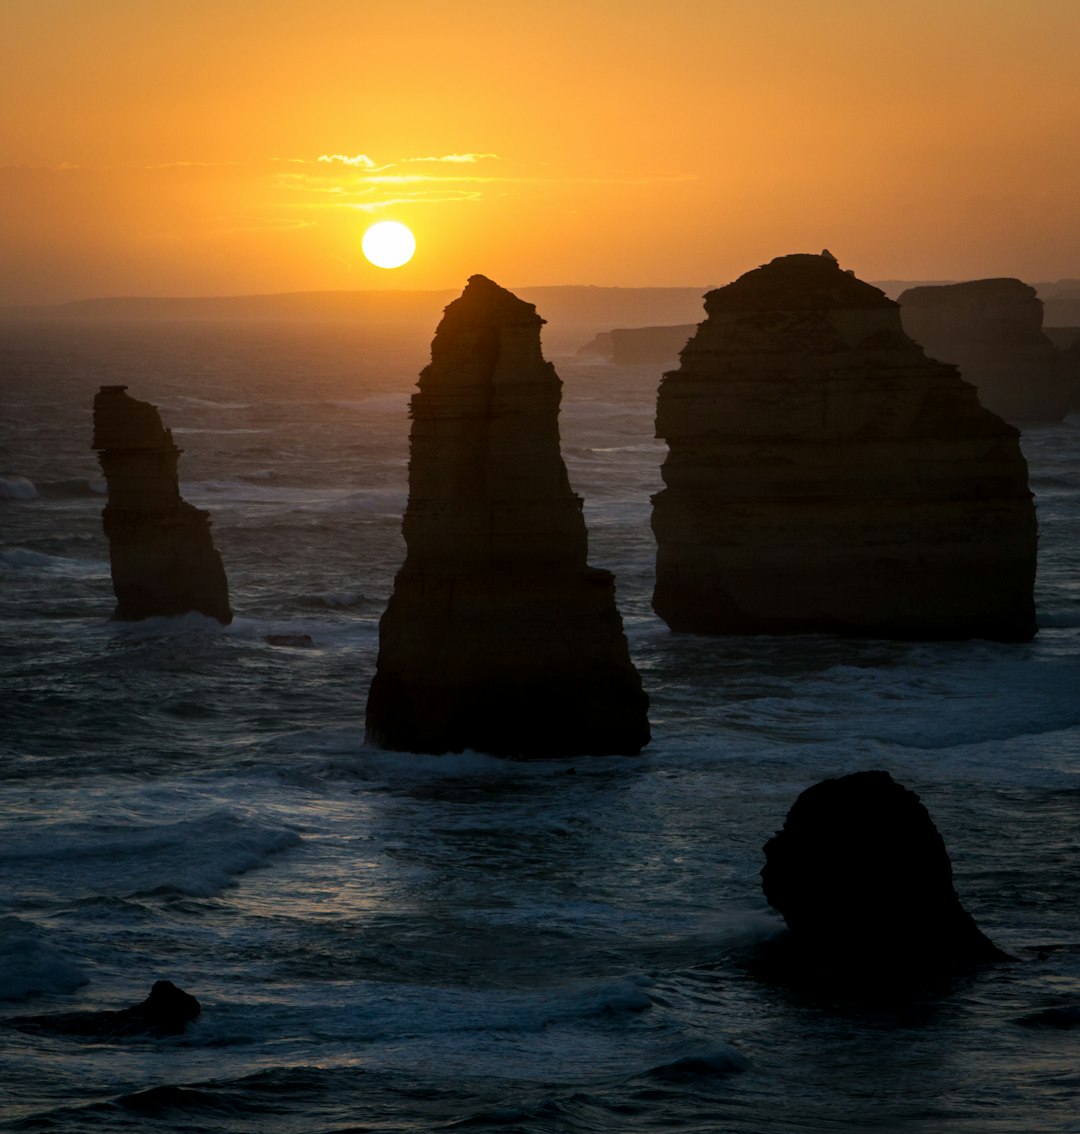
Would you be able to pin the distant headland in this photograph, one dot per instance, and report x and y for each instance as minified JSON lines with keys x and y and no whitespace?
{"x":578,"y":303}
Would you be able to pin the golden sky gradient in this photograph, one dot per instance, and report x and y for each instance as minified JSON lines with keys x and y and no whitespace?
{"x":203,"y":147}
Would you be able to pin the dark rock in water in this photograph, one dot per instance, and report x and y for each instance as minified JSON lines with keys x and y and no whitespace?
{"x":163,"y":558}
{"x":295,"y":641}
{"x":993,"y":330}
{"x":498,"y":637}
{"x":862,"y":878}
{"x":824,"y":476}
{"x":167,"y":1011}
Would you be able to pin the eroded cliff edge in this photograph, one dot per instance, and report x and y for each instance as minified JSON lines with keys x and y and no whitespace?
{"x":162,"y":554}
{"x":824,"y":475}
{"x":498,"y":636}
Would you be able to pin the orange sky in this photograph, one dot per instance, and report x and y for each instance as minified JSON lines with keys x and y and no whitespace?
{"x":194,"y":147}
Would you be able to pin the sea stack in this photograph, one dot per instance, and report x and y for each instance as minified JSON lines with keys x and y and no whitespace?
{"x":864,"y":883}
{"x":824,"y":476}
{"x":498,"y":636}
{"x":993,"y":330}
{"x":163,"y":557}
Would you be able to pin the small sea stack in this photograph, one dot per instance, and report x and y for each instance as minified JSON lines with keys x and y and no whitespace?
{"x":498,"y":637}
{"x":163,"y":557}
{"x":824,"y":476}
{"x":864,"y":882}
{"x":167,"y":1011}
{"x":993,"y":330}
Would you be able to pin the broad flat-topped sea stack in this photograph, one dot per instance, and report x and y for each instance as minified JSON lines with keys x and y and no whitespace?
{"x":498,"y":637}
{"x":163,"y":557}
{"x":993,"y":330}
{"x":824,"y":475}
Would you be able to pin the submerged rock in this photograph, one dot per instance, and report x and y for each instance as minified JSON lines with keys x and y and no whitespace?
{"x":498,"y":637}
{"x":167,"y":1011}
{"x":824,"y":475}
{"x":993,"y":330}
{"x":163,"y":557}
{"x":864,"y":882}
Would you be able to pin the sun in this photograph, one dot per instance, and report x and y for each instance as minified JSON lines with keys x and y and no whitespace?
{"x":388,"y":244}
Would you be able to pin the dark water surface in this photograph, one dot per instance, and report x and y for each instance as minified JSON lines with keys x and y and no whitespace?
{"x":400,"y":943}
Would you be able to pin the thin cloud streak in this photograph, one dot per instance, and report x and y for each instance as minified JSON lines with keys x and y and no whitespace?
{"x":361,"y":161}
{"x":455,"y":159}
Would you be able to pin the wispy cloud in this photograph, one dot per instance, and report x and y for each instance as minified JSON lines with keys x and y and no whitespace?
{"x":428,"y":197}
{"x":455,"y":159}
{"x":357,"y":161}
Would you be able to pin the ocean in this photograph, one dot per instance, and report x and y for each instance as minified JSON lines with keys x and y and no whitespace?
{"x":385,"y":942}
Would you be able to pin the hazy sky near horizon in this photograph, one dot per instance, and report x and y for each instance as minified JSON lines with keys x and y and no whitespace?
{"x":202,"y":147}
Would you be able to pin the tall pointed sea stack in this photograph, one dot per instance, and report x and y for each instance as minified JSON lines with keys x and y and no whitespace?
{"x":824,"y":475}
{"x":163,"y":558}
{"x":498,"y":637}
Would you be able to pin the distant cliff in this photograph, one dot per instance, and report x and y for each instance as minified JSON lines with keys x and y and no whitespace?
{"x":573,"y":311}
{"x":631,"y":346}
{"x":498,"y":636}
{"x":162,"y":555}
{"x":992,"y":330}
{"x":824,"y":475}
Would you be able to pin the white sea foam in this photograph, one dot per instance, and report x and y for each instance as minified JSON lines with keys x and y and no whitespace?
{"x":14,"y":487}
{"x":210,"y":404}
{"x":180,"y":429}
{"x":161,"y":626}
{"x":39,"y":563}
{"x":198,"y":857}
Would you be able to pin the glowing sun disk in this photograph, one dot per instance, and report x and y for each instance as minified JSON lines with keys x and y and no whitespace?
{"x":388,"y":244}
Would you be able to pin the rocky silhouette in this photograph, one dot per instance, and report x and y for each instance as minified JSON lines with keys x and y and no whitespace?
{"x":864,"y":882}
{"x":824,"y":475}
{"x":498,"y":637}
{"x":631,"y":346}
{"x":993,"y":330}
{"x":163,"y":557}
{"x":167,"y":1011}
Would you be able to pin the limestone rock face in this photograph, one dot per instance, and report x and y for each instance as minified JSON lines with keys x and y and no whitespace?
{"x":824,"y":475}
{"x":498,"y":636}
{"x":163,"y":557}
{"x":864,"y":882}
{"x":992,"y":330}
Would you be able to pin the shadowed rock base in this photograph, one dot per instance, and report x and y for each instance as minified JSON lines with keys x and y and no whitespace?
{"x":498,"y":637}
{"x":163,"y":558}
{"x":863,"y":880}
{"x":504,"y":665}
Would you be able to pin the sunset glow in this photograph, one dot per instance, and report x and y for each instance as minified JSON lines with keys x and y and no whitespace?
{"x":388,"y":244}
{"x":206,"y":149}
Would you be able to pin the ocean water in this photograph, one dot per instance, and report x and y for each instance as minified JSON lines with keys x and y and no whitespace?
{"x":398,"y":943}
